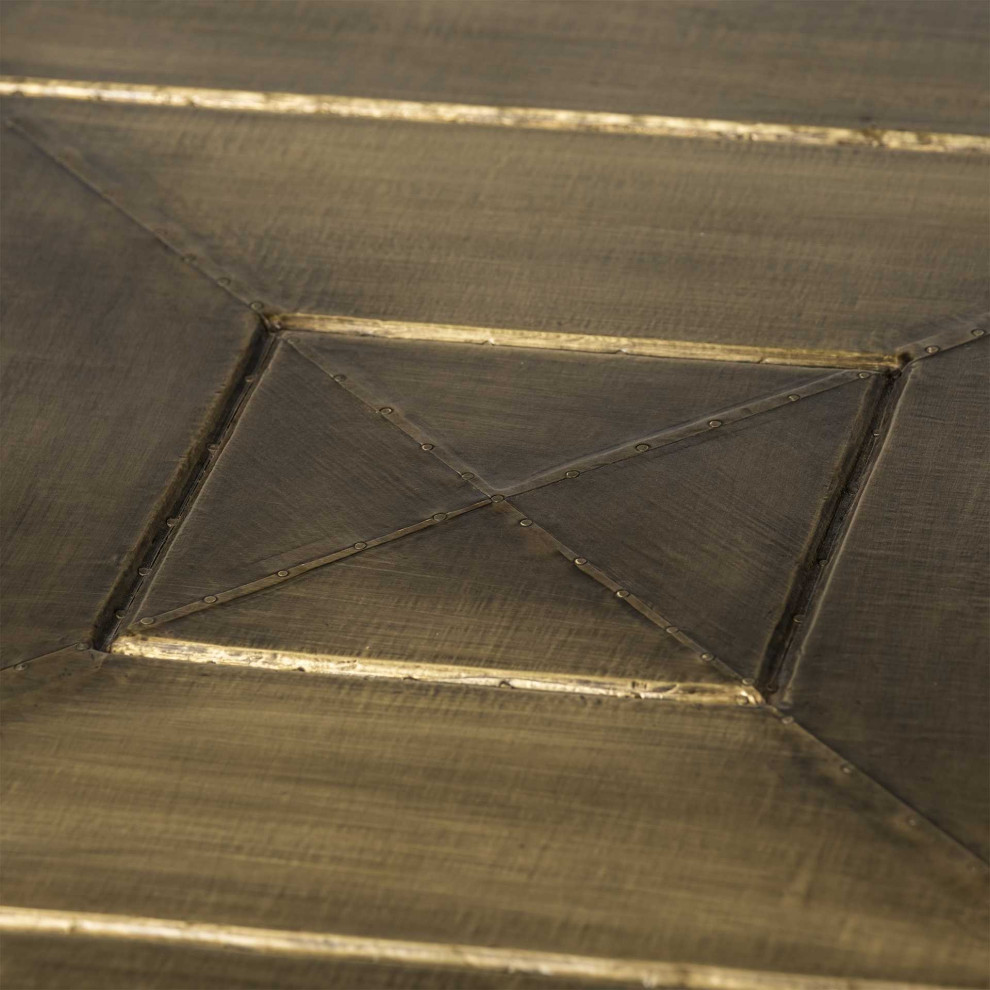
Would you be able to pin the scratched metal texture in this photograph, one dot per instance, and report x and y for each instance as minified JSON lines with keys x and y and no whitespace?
{"x":308,"y":470}
{"x":613,"y":828}
{"x":32,"y":962}
{"x":714,"y":530}
{"x":672,"y":238}
{"x":479,"y":590}
{"x":913,"y":65}
{"x":517,"y":412}
{"x":894,"y":672}
{"x":116,"y":359}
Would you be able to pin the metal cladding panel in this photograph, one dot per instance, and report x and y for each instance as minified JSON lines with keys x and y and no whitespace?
{"x":896,"y":64}
{"x":894,"y":671}
{"x":308,"y":470}
{"x":714,"y":531}
{"x":515,"y":413}
{"x":608,"y":827}
{"x":117,"y":359}
{"x":479,"y":591}
{"x":717,"y":242}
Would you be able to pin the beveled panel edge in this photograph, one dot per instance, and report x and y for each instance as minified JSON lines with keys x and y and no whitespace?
{"x":333,"y":946}
{"x":592,"y":343}
{"x":479,"y":115}
{"x":138,"y":647}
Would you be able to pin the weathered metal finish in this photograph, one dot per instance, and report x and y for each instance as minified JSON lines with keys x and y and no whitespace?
{"x":308,"y":472}
{"x":893,"y":672}
{"x":507,"y":598}
{"x":675,"y":239}
{"x":511,"y":415}
{"x":117,"y":359}
{"x":506,"y":819}
{"x":899,"y":64}
{"x":694,"y":528}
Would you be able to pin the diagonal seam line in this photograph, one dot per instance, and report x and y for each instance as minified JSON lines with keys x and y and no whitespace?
{"x":75,"y":165}
{"x":480,"y":115}
{"x":397,"y":420}
{"x":747,"y":695}
{"x":288,"y":573}
{"x":706,"y":425}
{"x":333,"y":946}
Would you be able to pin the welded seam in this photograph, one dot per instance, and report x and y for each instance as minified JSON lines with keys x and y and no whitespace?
{"x":161,"y":227}
{"x":220,"y":597}
{"x":832,"y":523}
{"x":443,"y":333}
{"x":453,"y":675}
{"x":704,"y":426}
{"x":479,"y":115}
{"x":331,"y":946}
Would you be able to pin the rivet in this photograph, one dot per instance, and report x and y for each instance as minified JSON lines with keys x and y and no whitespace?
{"x":707,"y":656}
{"x":622,"y":593}
{"x":714,"y":422}
{"x":846,"y":769}
{"x":748,"y":681}
{"x":931,"y":349}
{"x":144,"y":571}
{"x":571,"y":474}
{"x":249,"y":379}
{"x":210,"y":599}
{"x":213,"y":446}
{"x":978,"y":332}
{"x":525,"y":522}
{"x":282,"y":573}
{"x":82,"y":646}
{"x":913,"y":822}
{"x":823,"y":562}
{"x":257,"y":306}
{"x":798,"y":618}
{"x":865,"y":374}
{"x":580,"y":560}
{"x":189,"y":259}
{"x":467,"y":475}
{"x":223,"y":280}
{"x":642,"y":446}
{"x":20,"y":666}
{"x":440,"y":516}
{"x":171,"y":521}
{"x":147,"y":621}
{"x":119,"y":614}
{"x":498,"y":498}
{"x":340,"y":378}
{"x":359,"y":545}
{"x":672,"y":629}
{"x":385,"y":410}
{"x":426,"y":446}
{"x":787,"y":720}
{"x":794,"y":398}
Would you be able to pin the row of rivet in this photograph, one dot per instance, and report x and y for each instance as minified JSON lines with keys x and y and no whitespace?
{"x":263,"y":583}
{"x":665,"y":437}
